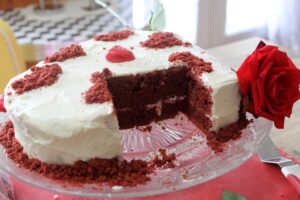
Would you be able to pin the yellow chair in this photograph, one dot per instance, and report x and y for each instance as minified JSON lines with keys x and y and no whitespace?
{"x":11,"y":58}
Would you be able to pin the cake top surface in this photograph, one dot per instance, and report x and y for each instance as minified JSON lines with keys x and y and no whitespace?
{"x":150,"y":51}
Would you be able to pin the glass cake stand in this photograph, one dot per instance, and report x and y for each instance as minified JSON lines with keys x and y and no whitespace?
{"x":196,"y":162}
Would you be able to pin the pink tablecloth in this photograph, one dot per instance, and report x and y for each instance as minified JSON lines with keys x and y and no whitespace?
{"x":253,"y":179}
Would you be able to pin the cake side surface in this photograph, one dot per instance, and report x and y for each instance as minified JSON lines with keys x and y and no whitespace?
{"x":50,"y":121}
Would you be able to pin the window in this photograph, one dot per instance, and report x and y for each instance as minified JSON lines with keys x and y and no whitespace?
{"x":243,"y":15}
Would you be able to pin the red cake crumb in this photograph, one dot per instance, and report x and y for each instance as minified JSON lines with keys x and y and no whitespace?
{"x":72,"y":51}
{"x":2,"y":108}
{"x":40,"y":76}
{"x":98,"y":93}
{"x":162,"y":40}
{"x":167,"y":160}
{"x":230,"y":132}
{"x":106,"y":73}
{"x":110,"y":171}
{"x":187,"y":44}
{"x":198,"y":64}
{"x":114,"y":36}
{"x":144,"y":128}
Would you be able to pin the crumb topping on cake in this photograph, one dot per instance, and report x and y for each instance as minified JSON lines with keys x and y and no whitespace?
{"x":162,"y":40}
{"x":198,"y":64}
{"x":98,"y":93}
{"x":40,"y":76}
{"x":63,"y":54}
{"x":114,"y":36}
{"x":187,"y":44}
{"x":96,"y":170}
{"x":2,"y":107}
{"x":106,"y":73}
{"x":119,"y":54}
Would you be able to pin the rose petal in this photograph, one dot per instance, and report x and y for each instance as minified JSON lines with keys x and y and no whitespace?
{"x":279,"y":122}
{"x":275,"y":104}
{"x":276,"y":110}
{"x":255,"y":98}
{"x":245,"y":73}
{"x":268,"y":58}
{"x":291,"y":64}
{"x":289,"y":79}
{"x":291,"y":82}
{"x":262,"y":82}
{"x":267,"y":115}
{"x":266,"y":50}
{"x":261,"y":44}
{"x":281,"y":59}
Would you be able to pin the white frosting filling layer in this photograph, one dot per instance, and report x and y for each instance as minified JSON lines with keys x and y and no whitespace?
{"x":55,"y":125}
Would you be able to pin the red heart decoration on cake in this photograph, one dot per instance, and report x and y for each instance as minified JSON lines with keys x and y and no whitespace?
{"x":119,"y":54}
{"x":2,"y":108}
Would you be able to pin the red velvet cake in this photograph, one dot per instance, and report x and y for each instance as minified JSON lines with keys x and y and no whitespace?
{"x":84,"y":94}
{"x":66,"y":112}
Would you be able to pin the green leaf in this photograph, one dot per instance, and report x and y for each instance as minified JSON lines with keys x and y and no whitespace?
{"x":227,"y":195}
{"x":158,"y":17}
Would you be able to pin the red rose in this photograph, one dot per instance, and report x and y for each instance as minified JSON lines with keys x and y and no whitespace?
{"x":269,"y":83}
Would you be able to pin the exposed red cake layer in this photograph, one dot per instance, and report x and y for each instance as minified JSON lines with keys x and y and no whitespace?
{"x":98,"y":93}
{"x":200,"y":103}
{"x":143,"y":115}
{"x":133,"y":94}
{"x":162,"y":40}
{"x":72,"y":51}
{"x":40,"y":76}
{"x":119,"y":54}
{"x":197,"y":64}
{"x":148,"y":88}
{"x":110,"y":171}
{"x":114,"y":36}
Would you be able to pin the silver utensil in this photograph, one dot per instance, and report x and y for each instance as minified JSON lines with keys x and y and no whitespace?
{"x":268,"y":153}
{"x":116,"y":15}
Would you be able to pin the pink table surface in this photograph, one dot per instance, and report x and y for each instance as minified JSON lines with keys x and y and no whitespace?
{"x":253,"y":179}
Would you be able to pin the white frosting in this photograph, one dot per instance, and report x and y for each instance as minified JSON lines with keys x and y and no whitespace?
{"x":55,"y":125}
{"x":225,"y":95}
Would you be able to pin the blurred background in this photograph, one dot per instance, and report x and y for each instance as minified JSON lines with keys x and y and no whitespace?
{"x":208,"y":23}
{"x":32,"y":29}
